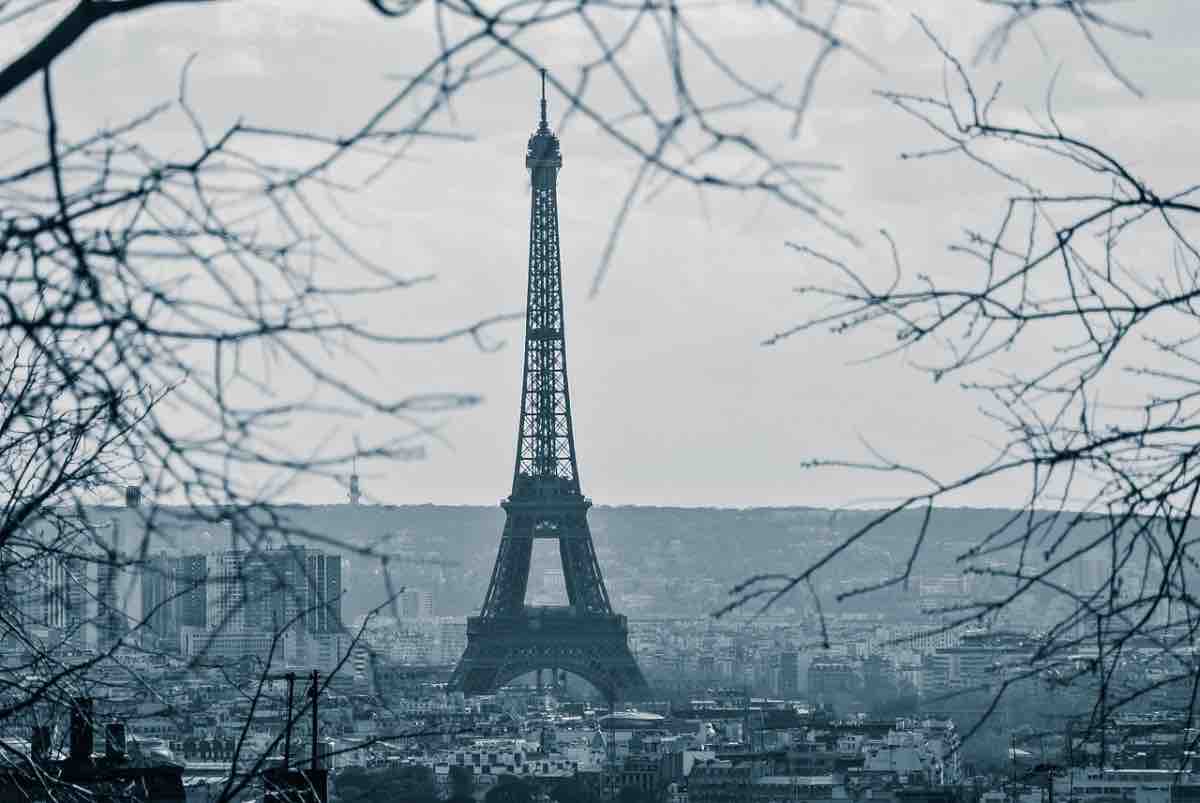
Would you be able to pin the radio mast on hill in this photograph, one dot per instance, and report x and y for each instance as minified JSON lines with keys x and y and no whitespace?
{"x":355,"y":494}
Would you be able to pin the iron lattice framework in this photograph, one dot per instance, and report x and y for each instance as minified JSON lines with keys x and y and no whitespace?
{"x":509,"y":638}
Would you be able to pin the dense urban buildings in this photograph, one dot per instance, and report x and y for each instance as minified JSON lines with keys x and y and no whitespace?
{"x":864,"y":704}
{"x":860,"y":704}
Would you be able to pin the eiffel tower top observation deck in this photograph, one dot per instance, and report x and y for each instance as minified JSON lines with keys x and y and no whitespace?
{"x":545,"y":463}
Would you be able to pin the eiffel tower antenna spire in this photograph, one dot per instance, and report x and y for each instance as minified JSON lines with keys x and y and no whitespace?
{"x":584,"y":637}
{"x":544,"y":122}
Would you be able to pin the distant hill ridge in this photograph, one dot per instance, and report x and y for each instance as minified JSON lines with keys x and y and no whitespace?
{"x":656,"y":560}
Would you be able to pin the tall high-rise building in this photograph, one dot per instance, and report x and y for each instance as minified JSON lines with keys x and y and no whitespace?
{"x":789,"y":674}
{"x":45,"y":583}
{"x":191,"y":588}
{"x":226,"y":597}
{"x":174,"y":595}
{"x":416,"y":603}
{"x":276,"y":589}
{"x":44,"y":589}
{"x":110,"y":619}
{"x":330,"y":620}
{"x":303,"y":586}
{"x":158,"y":597}
{"x":67,"y":594}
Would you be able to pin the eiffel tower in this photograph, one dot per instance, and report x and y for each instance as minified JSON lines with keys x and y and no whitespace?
{"x":584,"y":637}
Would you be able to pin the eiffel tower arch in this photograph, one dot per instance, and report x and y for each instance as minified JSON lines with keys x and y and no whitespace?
{"x":584,"y":637}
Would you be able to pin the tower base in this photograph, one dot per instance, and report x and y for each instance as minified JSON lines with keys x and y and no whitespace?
{"x":596,"y":648}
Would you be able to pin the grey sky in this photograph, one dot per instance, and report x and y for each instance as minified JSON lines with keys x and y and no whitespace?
{"x":675,"y":401}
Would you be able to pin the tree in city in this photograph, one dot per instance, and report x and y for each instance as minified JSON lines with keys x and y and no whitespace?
{"x":414,"y":784}
{"x":573,"y":790}
{"x":462,"y":784}
{"x":632,"y":794}
{"x":511,"y":790}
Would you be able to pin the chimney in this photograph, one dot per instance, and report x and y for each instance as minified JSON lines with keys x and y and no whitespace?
{"x":133,"y":496}
{"x":81,"y":729}
{"x":114,"y":741}
{"x":39,"y":744}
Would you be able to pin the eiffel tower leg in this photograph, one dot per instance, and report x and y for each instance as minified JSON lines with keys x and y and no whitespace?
{"x":581,"y":570}
{"x":510,"y":575}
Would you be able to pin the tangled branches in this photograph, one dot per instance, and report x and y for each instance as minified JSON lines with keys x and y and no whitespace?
{"x":1072,"y":319}
{"x":150,"y":296}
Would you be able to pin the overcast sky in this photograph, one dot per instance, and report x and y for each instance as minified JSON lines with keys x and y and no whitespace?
{"x":675,"y":400}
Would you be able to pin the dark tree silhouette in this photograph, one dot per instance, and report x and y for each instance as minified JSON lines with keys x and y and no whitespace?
{"x":573,"y":790}
{"x":1071,"y":320}
{"x":511,"y":790}
{"x":462,"y":784}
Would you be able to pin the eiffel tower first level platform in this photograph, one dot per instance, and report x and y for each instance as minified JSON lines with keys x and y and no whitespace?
{"x":585,"y":637}
{"x":595,"y":648}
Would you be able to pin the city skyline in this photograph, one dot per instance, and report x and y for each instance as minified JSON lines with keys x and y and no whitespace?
{"x":883,"y":318}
